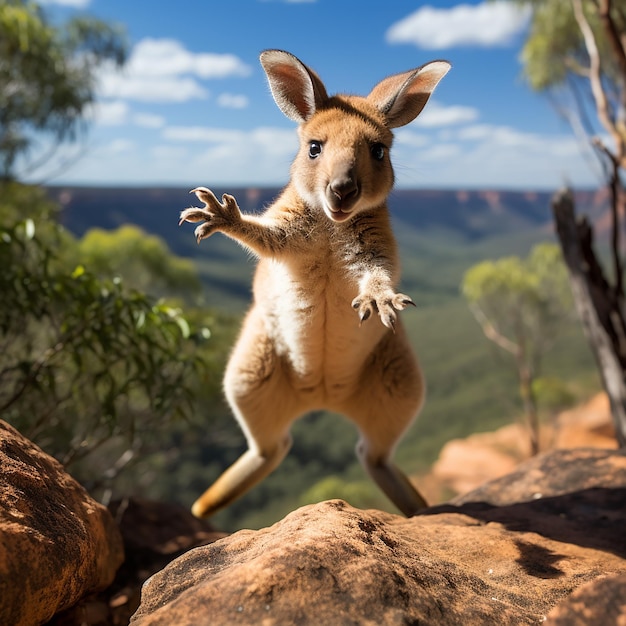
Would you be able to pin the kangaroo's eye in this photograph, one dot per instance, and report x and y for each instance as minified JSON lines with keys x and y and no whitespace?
{"x":315,"y":149}
{"x":378,"y":151}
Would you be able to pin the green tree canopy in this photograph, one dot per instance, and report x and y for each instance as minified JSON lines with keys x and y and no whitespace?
{"x":581,"y":45}
{"x":47,"y":77}
{"x":520,"y":304}
{"x":143,"y":261}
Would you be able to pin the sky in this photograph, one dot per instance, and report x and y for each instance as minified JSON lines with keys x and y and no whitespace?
{"x":192,"y":105}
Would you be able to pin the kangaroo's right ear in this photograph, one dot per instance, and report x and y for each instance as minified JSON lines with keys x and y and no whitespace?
{"x":402,"y":97}
{"x":297,"y":90}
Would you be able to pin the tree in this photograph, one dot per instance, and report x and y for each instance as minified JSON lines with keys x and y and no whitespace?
{"x":84,"y":363}
{"x":143,"y":261}
{"x":47,"y":78}
{"x":519,"y":304}
{"x":577,"y":48}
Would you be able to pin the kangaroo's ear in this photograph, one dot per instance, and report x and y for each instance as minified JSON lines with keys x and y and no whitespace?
{"x":402,"y":97}
{"x":297,"y":90}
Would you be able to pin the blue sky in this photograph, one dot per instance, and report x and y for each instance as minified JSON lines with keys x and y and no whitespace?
{"x":192,"y":106}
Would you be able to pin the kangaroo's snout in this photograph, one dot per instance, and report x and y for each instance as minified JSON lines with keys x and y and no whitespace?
{"x":342,"y":193}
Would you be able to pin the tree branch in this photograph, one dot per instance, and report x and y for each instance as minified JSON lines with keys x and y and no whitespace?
{"x":603,"y":107}
{"x":618,"y":45}
{"x":490,"y":331}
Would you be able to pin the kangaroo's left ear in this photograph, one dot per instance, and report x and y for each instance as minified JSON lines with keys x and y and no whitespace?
{"x":297,"y":89}
{"x":402,"y":97}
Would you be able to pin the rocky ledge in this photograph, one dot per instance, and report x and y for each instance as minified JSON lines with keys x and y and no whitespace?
{"x":512,"y":552}
{"x":543,"y":544}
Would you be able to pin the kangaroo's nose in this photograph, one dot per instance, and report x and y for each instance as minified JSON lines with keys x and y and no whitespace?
{"x":344,"y":187}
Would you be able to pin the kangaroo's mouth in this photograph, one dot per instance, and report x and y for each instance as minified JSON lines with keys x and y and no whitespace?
{"x":339,"y":216}
{"x":339,"y":205}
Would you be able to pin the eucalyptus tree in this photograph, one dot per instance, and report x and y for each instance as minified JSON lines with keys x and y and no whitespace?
{"x":576,"y":51}
{"x":48,"y":79}
{"x":520,"y":305}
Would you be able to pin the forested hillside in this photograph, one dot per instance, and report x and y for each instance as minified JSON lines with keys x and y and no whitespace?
{"x":472,"y":387}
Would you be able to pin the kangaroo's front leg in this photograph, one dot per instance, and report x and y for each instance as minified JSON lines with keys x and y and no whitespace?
{"x":216,"y":215}
{"x":260,"y":236}
{"x":376,"y":295}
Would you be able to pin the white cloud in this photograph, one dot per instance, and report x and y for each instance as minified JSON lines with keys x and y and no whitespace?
{"x":486,"y":25}
{"x":436,"y":114}
{"x":163,"y":70}
{"x":118,"y":113}
{"x":407,"y":137}
{"x":148,"y":120}
{"x":487,"y":155}
{"x":263,"y":141}
{"x":119,"y":146}
{"x":113,"y":113}
{"x":232,"y":101}
{"x":150,"y":89}
{"x":202,"y":134}
{"x":168,"y":57}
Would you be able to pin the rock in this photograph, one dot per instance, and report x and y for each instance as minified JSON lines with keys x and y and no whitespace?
{"x":465,"y":464}
{"x":154,"y":534}
{"x":507,"y":553}
{"x":601,"y":602}
{"x":56,"y":543}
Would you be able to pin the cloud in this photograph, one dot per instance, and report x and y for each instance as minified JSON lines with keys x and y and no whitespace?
{"x":168,"y":57}
{"x":148,"y":120}
{"x":201,"y":134}
{"x":118,"y":113}
{"x":151,"y":89}
{"x":489,"y":155}
{"x":233,"y":101}
{"x":263,"y":140}
{"x":489,"y":24}
{"x":119,"y":146}
{"x":163,"y":70}
{"x":436,"y":114}
{"x":113,"y":113}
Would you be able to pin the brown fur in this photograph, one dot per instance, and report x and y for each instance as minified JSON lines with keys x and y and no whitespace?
{"x":328,"y":266}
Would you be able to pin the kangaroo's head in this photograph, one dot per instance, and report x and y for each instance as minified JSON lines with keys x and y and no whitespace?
{"x":343,"y":164}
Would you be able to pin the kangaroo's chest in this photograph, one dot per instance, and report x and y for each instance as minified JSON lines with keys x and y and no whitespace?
{"x":307,"y":306}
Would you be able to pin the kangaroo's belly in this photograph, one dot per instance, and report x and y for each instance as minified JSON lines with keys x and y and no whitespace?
{"x":314,"y":328}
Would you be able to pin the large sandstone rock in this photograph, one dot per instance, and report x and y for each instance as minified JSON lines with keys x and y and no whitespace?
{"x":507,"y":554}
{"x":154,"y":534}
{"x":56,"y":543}
{"x":602,"y":602}
{"x":465,"y":464}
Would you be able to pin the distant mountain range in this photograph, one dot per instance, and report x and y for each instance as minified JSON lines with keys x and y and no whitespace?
{"x":440,"y":232}
{"x":473,"y":214}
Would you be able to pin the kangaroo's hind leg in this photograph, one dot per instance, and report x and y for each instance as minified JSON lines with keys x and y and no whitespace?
{"x":390,"y":396}
{"x":254,"y":384}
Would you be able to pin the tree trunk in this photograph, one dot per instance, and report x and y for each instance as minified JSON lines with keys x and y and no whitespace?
{"x":599,"y":306}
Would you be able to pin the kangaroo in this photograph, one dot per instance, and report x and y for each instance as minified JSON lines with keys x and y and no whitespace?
{"x":327,"y":268}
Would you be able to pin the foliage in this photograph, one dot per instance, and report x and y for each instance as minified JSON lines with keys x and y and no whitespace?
{"x":47,"y":76}
{"x":520,"y":304}
{"x":555,"y":47}
{"x":84,"y":363}
{"x":580,"y":45}
{"x":143,"y":261}
{"x":520,"y":301}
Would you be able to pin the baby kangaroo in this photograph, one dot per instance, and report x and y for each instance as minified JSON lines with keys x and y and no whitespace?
{"x":323,"y":331}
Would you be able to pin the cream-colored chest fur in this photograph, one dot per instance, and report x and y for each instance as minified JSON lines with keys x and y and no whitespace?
{"x":306,"y":303}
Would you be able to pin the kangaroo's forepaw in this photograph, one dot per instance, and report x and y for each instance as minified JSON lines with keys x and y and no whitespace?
{"x":385,"y":305}
{"x":215,"y":214}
